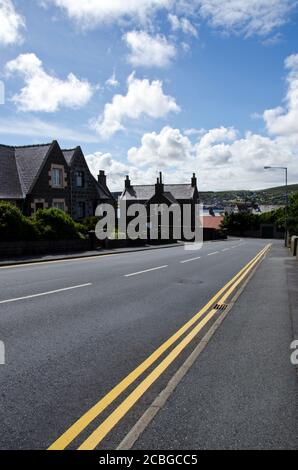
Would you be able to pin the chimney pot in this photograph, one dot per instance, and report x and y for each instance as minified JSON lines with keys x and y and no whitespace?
{"x":127,"y":182}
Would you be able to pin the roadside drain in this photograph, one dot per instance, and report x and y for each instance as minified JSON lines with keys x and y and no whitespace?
{"x":220,"y":306}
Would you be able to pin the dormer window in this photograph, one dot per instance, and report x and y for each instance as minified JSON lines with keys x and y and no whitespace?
{"x":57,"y":178}
{"x":80,"y":179}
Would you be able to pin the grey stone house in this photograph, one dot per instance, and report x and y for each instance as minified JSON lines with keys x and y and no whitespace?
{"x":160,"y":193}
{"x":42,"y":176}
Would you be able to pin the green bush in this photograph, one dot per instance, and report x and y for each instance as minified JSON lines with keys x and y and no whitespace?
{"x":81,"y":229}
{"x":30,"y":231}
{"x":54,"y":224}
{"x":14,"y":225}
{"x":90,"y":223}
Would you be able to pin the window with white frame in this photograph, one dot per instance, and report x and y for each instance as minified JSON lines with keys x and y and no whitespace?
{"x":59,"y":205}
{"x":57,"y":178}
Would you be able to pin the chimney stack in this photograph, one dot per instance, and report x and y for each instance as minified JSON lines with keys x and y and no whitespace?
{"x":159,"y":187}
{"x":194,"y":181}
{"x":102,"y":179}
{"x":127,"y":182}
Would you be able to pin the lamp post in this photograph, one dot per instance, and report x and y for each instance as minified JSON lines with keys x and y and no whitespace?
{"x":285,"y":169}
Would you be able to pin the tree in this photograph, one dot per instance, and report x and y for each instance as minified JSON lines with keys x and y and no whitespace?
{"x":293,"y":215}
{"x":245,"y":221}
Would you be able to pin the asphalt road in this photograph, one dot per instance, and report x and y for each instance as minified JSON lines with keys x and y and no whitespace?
{"x":74,"y":329}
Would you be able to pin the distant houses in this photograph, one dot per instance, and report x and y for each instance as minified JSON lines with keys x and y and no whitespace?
{"x":41,"y":176}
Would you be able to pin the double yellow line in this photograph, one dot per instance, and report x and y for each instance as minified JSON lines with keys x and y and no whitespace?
{"x":113,"y":419}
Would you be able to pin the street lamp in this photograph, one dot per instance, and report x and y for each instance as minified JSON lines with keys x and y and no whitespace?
{"x":285,"y":169}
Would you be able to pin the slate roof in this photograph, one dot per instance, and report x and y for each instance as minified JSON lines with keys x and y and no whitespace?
{"x":29,"y":162}
{"x":169,"y":196}
{"x":144,"y":192}
{"x":68,"y":154}
{"x":19,"y":166}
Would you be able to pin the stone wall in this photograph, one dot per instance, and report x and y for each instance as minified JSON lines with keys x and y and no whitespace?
{"x":19,"y":248}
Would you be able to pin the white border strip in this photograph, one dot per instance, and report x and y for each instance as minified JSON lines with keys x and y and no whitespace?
{"x":44,"y":293}
{"x":146,"y":271}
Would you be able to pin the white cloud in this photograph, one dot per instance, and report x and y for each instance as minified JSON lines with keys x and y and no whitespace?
{"x":44,"y":92}
{"x":112,"y":81}
{"x":284,"y":120}
{"x":192,"y":131}
{"x":185,"y":46}
{"x":11,"y":23}
{"x":239,"y":161}
{"x":251,"y":17}
{"x":33,"y":127}
{"x":114,"y":169}
{"x":182,"y":24}
{"x":149,"y":51}
{"x":247,"y":17}
{"x":217,"y":135}
{"x":167,"y":148}
{"x":93,"y":12}
{"x":221,"y":158}
{"x":143,"y":98}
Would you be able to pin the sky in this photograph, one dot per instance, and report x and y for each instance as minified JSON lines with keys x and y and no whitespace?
{"x":178,"y":86}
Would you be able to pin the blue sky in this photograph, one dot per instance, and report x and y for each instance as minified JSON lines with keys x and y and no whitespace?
{"x":173,"y":85}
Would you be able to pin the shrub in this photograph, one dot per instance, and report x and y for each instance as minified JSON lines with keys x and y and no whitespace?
{"x":10,"y":222}
{"x":90,"y":223}
{"x":14,"y":225}
{"x":81,"y":229}
{"x":30,"y":231}
{"x":54,"y":224}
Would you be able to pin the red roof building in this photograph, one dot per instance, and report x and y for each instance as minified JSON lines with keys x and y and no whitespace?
{"x":212,"y":221}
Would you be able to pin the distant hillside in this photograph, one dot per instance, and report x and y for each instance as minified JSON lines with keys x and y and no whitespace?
{"x":270,"y":196}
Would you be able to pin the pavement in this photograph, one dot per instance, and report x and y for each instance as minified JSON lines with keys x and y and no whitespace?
{"x":74,"y":329}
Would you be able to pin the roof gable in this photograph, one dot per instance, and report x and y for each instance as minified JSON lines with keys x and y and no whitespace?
{"x":76,"y":156}
{"x":30,"y":161}
{"x":163,"y":198}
